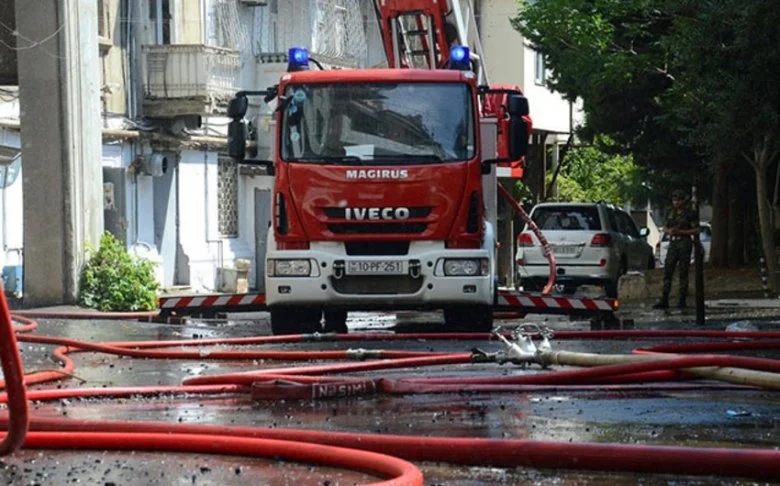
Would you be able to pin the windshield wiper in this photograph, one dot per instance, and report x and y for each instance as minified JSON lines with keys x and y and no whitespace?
{"x":409,"y":157}
{"x":345,"y":159}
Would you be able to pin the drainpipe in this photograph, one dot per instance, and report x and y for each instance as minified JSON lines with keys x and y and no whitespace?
{"x":5,"y":213}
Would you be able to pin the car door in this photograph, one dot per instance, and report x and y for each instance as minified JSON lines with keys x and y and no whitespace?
{"x":616,"y":230}
{"x":638,"y":257}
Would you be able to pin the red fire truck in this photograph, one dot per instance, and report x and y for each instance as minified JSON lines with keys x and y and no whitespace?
{"x":385,"y":179}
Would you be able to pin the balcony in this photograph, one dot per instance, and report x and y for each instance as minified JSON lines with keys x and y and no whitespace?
{"x":186,"y":80}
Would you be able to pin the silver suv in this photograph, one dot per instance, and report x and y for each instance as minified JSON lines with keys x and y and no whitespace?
{"x":593,"y":243}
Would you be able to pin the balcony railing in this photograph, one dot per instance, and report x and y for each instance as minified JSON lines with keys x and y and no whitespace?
{"x":184,"y":79}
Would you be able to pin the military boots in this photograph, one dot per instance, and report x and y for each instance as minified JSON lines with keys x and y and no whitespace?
{"x":662,"y":304}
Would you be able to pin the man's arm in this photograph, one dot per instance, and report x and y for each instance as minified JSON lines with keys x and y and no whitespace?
{"x":692,"y":220}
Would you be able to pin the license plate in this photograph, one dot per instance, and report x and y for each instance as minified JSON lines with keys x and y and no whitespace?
{"x":375,"y":267}
{"x":565,"y":250}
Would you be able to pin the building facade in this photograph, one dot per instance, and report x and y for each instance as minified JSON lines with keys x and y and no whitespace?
{"x":167,"y":71}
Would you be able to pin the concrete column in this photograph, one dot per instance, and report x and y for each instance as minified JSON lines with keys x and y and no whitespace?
{"x":59,"y":92}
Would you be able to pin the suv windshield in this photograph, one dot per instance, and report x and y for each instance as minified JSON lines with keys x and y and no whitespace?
{"x":567,"y":218}
{"x":359,"y":123}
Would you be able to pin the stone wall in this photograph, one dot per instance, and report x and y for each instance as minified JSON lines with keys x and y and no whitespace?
{"x":718,"y":284}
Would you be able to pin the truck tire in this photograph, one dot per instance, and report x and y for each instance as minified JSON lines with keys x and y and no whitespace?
{"x":336,"y":321}
{"x":295,"y":320}
{"x":475,"y":318}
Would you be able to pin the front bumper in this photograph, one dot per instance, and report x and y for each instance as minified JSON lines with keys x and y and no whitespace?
{"x":575,"y":274}
{"x":420,"y":286}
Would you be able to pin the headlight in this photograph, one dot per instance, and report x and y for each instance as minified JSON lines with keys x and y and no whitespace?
{"x":468,"y":267}
{"x":289,"y":268}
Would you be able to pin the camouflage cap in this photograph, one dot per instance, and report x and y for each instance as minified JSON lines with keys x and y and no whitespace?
{"x":678,"y":194}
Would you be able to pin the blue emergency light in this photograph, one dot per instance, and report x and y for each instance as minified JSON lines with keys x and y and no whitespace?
{"x":297,"y":59}
{"x":460,"y":58}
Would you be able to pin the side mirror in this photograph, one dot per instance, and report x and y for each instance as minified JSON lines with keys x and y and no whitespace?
{"x":237,"y":107}
{"x":644,"y":231}
{"x":518,"y":106}
{"x":236,"y":139}
{"x":518,"y":138}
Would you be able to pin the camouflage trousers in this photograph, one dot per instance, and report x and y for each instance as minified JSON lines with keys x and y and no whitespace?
{"x":679,"y":252}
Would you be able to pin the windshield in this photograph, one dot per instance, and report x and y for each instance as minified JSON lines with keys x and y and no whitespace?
{"x":361,"y":123}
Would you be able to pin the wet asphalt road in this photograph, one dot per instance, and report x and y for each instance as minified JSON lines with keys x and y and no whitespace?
{"x":723,"y":418}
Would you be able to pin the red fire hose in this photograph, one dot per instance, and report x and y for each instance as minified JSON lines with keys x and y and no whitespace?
{"x":14,"y":383}
{"x":402,"y":472}
{"x":754,"y":463}
{"x":535,"y":229}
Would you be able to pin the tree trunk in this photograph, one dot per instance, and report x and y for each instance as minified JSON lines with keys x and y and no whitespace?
{"x":734,"y":242}
{"x":721,"y":215}
{"x":765,"y":217}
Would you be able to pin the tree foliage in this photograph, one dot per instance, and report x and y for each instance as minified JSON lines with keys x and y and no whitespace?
{"x":611,"y":54}
{"x":591,"y":174}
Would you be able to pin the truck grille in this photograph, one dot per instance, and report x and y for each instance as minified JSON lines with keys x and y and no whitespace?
{"x":369,"y":285}
{"x":339,"y":224}
{"x":373,"y":248}
{"x":376,"y":228}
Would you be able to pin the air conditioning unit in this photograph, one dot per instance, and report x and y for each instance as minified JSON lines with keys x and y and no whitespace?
{"x":254,"y":3}
{"x":155,"y":165}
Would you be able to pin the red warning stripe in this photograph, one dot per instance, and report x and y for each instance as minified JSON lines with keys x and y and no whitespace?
{"x":183,"y":302}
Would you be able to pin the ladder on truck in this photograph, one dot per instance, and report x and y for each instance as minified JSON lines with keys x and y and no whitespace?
{"x":419,"y":33}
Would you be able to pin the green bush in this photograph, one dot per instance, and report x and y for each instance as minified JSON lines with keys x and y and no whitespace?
{"x":114,"y":280}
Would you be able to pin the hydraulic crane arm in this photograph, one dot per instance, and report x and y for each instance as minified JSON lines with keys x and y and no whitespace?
{"x":415,"y":32}
{"x":420,"y":33}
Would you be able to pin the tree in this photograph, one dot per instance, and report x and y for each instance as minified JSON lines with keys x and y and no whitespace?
{"x":727,"y":53}
{"x":591,"y":174}
{"x":687,"y":86}
{"x":610,"y":54}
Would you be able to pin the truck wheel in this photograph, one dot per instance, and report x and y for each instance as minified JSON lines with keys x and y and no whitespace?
{"x":336,"y":321}
{"x":477,"y":318}
{"x":295,"y":320}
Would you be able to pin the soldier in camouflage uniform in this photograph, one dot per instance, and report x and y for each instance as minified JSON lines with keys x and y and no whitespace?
{"x":681,"y":224}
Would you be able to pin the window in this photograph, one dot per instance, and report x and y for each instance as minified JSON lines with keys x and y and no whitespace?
{"x":104,"y":25}
{"x":227,"y":197}
{"x":540,"y":70}
{"x":225,"y":25}
{"x":627,"y":225}
{"x":614,"y":220}
{"x":160,"y":19}
{"x":567,"y":218}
